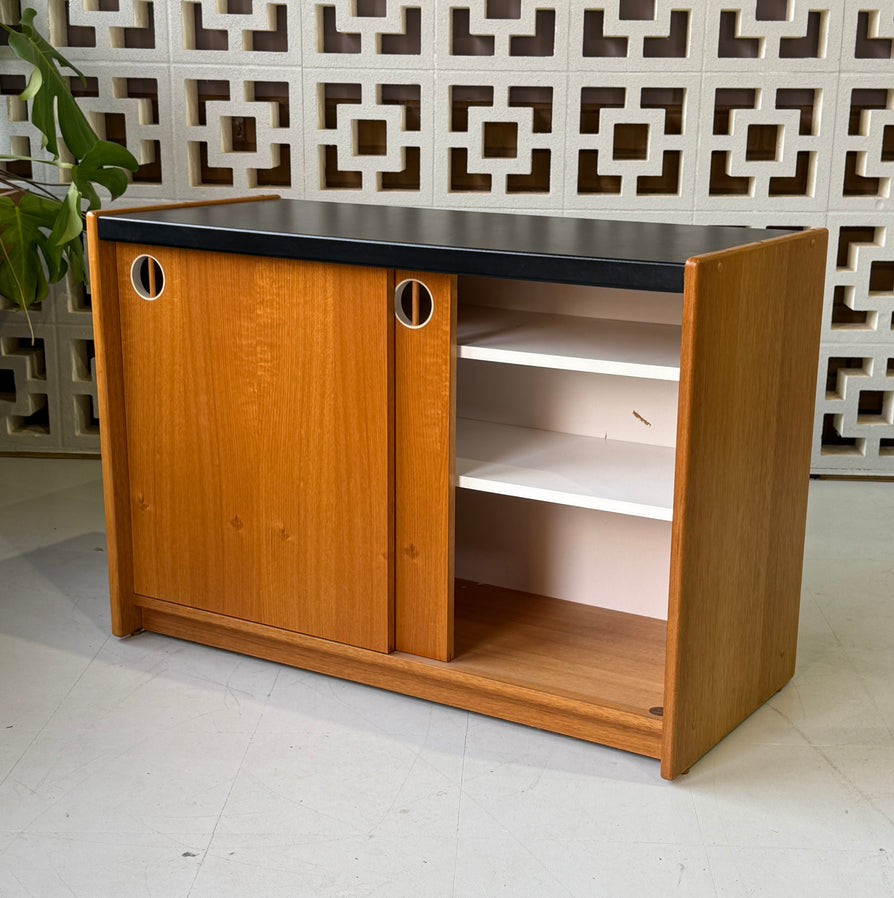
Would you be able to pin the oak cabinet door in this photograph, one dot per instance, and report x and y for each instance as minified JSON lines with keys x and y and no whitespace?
{"x":425,"y":420}
{"x":259,"y":430}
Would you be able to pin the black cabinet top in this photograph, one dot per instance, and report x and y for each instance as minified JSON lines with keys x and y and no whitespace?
{"x":636,"y":255}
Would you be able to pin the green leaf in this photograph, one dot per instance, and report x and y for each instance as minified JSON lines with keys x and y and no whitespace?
{"x":74,"y":253}
{"x":49,"y":91}
{"x":27,"y":21}
{"x":102,"y":165}
{"x":24,"y":244}
{"x":33,"y":85}
{"x":41,"y":236}
{"x":68,"y":224}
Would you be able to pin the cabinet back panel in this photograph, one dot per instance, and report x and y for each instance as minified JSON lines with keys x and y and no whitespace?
{"x":258,"y":403}
{"x":594,"y":558}
{"x":632,"y":409}
{"x":572,"y":299}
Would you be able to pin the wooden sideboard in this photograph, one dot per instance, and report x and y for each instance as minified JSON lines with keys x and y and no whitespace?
{"x":551,"y":470}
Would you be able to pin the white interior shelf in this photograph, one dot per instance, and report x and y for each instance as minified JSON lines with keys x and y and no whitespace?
{"x":587,"y":472}
{"x":572,"y":343}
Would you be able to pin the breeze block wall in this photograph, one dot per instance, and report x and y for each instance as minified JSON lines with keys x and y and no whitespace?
{"x":754,"y":112}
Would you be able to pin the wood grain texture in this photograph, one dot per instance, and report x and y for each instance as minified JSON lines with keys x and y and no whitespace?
{"x":524,"y":688}
{"x":223,"y":201}
{"x":569,"y":650}
{"x":425,"y":400}
{"x":259,"y":431}
{"x":126,"y":616}
{"x":751,"y":326}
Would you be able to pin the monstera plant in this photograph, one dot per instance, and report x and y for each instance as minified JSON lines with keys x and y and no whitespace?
{"x":41,"y":225}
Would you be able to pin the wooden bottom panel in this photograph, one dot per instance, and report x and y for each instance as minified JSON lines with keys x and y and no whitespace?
{"x":579,"y":652}
{"x":571,"y":669}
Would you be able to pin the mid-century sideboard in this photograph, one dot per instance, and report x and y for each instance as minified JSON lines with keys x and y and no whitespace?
{"x":551,"y":470}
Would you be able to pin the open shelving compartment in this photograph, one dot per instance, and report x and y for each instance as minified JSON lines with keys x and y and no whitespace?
{"x":565,"y":432}
{"x":629,"y":479}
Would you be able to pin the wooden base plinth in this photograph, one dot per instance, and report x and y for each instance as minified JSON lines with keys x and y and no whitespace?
{"x":529,"y":659}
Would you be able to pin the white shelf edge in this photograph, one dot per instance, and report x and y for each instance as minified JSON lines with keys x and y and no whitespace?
{"x":565,"y":469}
{"x":569,"y":363}
{"x":556,"y":497}
{"x":537,"y":333}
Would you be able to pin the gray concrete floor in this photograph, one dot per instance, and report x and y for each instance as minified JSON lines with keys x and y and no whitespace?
{"x":153,"y":767}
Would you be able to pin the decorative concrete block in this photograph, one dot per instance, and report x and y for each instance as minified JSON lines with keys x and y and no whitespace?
{"x":764,"y":112}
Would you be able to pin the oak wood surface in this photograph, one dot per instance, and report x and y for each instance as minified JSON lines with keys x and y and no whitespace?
{"x":425,"y":398}
{"x":125,"y":614}
{"x":749,"y":359}
{"x":258,"y":421}
{"x":152,"y":207}
{"x":580,"y":652}
{"x":531,"y":687}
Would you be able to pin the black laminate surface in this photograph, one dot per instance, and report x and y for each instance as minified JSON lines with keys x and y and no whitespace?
{"x":635,"y":255}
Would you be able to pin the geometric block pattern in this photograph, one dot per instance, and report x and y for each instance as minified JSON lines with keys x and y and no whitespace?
{"x":237,"y":131}
{"x":761,"y":142}
{"x":355,"y":33}
{"x":854,"y":427}
{"x":732,"y":112}
{"x":633,"y":140}
{"x":863,"y":170}
{"x":244,"y":32}
{"x":368,"y":135}
{"x":857,"y":395}
{"x":498,"y":141}
{"x":517,"y":36}
{"x":48,"y":386}
{"x":860,"y":279}
{"x":126,"y":29}
{"x":791,"y":35}
{"x":636,"y":36}
{"x":870,"y":28}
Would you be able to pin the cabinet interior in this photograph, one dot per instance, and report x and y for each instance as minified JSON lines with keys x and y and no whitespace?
{"x":565,"y":440}
{"x":565,"y":433}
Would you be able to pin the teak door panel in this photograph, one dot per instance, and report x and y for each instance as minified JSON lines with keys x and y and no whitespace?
{"x":259,"y":438}
{"x":425,"y":419}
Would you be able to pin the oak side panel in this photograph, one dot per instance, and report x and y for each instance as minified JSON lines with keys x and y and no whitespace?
{"x":125,"y":614}
{"x":751,"y":323}
{"x":425,"y":400}
{"x":259,"y":427}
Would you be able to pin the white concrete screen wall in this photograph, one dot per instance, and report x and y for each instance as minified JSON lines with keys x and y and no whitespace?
{"x":756,"y":112}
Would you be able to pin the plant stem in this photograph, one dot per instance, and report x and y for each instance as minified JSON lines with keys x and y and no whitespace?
{"x":21,"y":291}
{"x":7,"y":177}
{"x":30,"y":325}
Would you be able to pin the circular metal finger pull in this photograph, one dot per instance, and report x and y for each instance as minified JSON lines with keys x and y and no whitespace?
{"x":413,"y":304}
{"x":147,"y":277}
